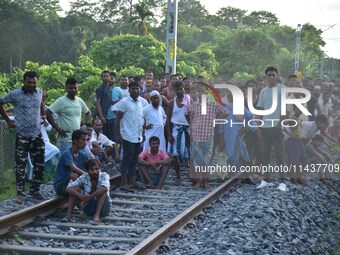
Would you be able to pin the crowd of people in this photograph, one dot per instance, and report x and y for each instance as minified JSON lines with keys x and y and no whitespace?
{"x":151,"y":126}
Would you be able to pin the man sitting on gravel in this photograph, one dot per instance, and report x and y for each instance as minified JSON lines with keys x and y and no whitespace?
{"x":71,"y":163}
{"x":93,"y":190}
{"x":106,"y":146}
{"x":154,"y":164}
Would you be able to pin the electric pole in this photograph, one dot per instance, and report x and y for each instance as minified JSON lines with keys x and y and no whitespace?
{"x":171,"y":36}
{"x":297,"y":51}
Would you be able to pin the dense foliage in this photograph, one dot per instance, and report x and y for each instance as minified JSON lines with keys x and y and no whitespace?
{"x":128,"y":37}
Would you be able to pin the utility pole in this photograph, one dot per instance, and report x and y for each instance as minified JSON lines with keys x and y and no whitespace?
{"x":171,"y":36}
{"x":297,"y":51}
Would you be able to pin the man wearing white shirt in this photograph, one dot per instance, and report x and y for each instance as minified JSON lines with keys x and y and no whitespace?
{"x":129,"y":129}
{"x":155,"y":120}
{"x":107,"y":146}
{"x":271,"y":130}
{"x":143,"y":101}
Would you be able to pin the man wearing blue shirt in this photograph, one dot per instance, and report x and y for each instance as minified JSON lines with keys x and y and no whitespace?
{"x":71,"y":163}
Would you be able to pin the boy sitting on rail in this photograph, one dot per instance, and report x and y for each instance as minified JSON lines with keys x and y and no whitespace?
{"x":93,"y":191}
{"x":154,"y":165}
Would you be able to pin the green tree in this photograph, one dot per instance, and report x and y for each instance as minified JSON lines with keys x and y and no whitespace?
{"x":192,"y":12}
{"x":44,"y":8}
{"x":51,"y":76}
{"x":248,"y":51}
{"x":131,"y":71}
{"x":202,"y":60}
{"x":21,"y":37}
{"x":190,"y":37}
{"x":260,"y":18}
{"x":284,"y":36}
{"x":311,"y":40}
{"x":231,"y":17}
{"x":142,"y":18}
{"x":129,"y":50}
{"x":86,"y":8}
{"x":85,"y":68}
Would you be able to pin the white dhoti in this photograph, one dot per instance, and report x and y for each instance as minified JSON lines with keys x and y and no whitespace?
{"x":157,"y":118}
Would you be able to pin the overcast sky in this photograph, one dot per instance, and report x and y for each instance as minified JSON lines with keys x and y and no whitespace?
{"x":321,"y":13}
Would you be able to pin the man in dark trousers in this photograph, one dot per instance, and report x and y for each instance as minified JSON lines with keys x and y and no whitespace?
{"x":28,"y":112}
{"x":103,"y":103}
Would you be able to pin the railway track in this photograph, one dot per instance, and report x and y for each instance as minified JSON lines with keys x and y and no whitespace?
{"x":138,"y":223}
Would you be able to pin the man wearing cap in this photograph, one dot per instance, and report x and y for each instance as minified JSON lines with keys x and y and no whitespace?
{"x":155,"y":119}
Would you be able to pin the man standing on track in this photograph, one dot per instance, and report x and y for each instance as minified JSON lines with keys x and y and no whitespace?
{"x":129,"y":129}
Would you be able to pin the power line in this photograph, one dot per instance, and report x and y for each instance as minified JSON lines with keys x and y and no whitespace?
{"x":329,"y":28}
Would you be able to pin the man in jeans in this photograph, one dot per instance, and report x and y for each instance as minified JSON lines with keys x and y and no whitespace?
{"x":271,"y":129}
{"x":28,"y":111}
{"x":129,"y":129}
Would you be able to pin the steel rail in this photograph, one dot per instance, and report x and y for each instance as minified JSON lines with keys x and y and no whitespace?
{"x":28,"y":214}
{"x":146,"y":246}
{"x":149,"y":244}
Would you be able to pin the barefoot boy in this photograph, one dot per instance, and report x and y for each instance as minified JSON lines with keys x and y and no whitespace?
{"x":92,"y":188}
